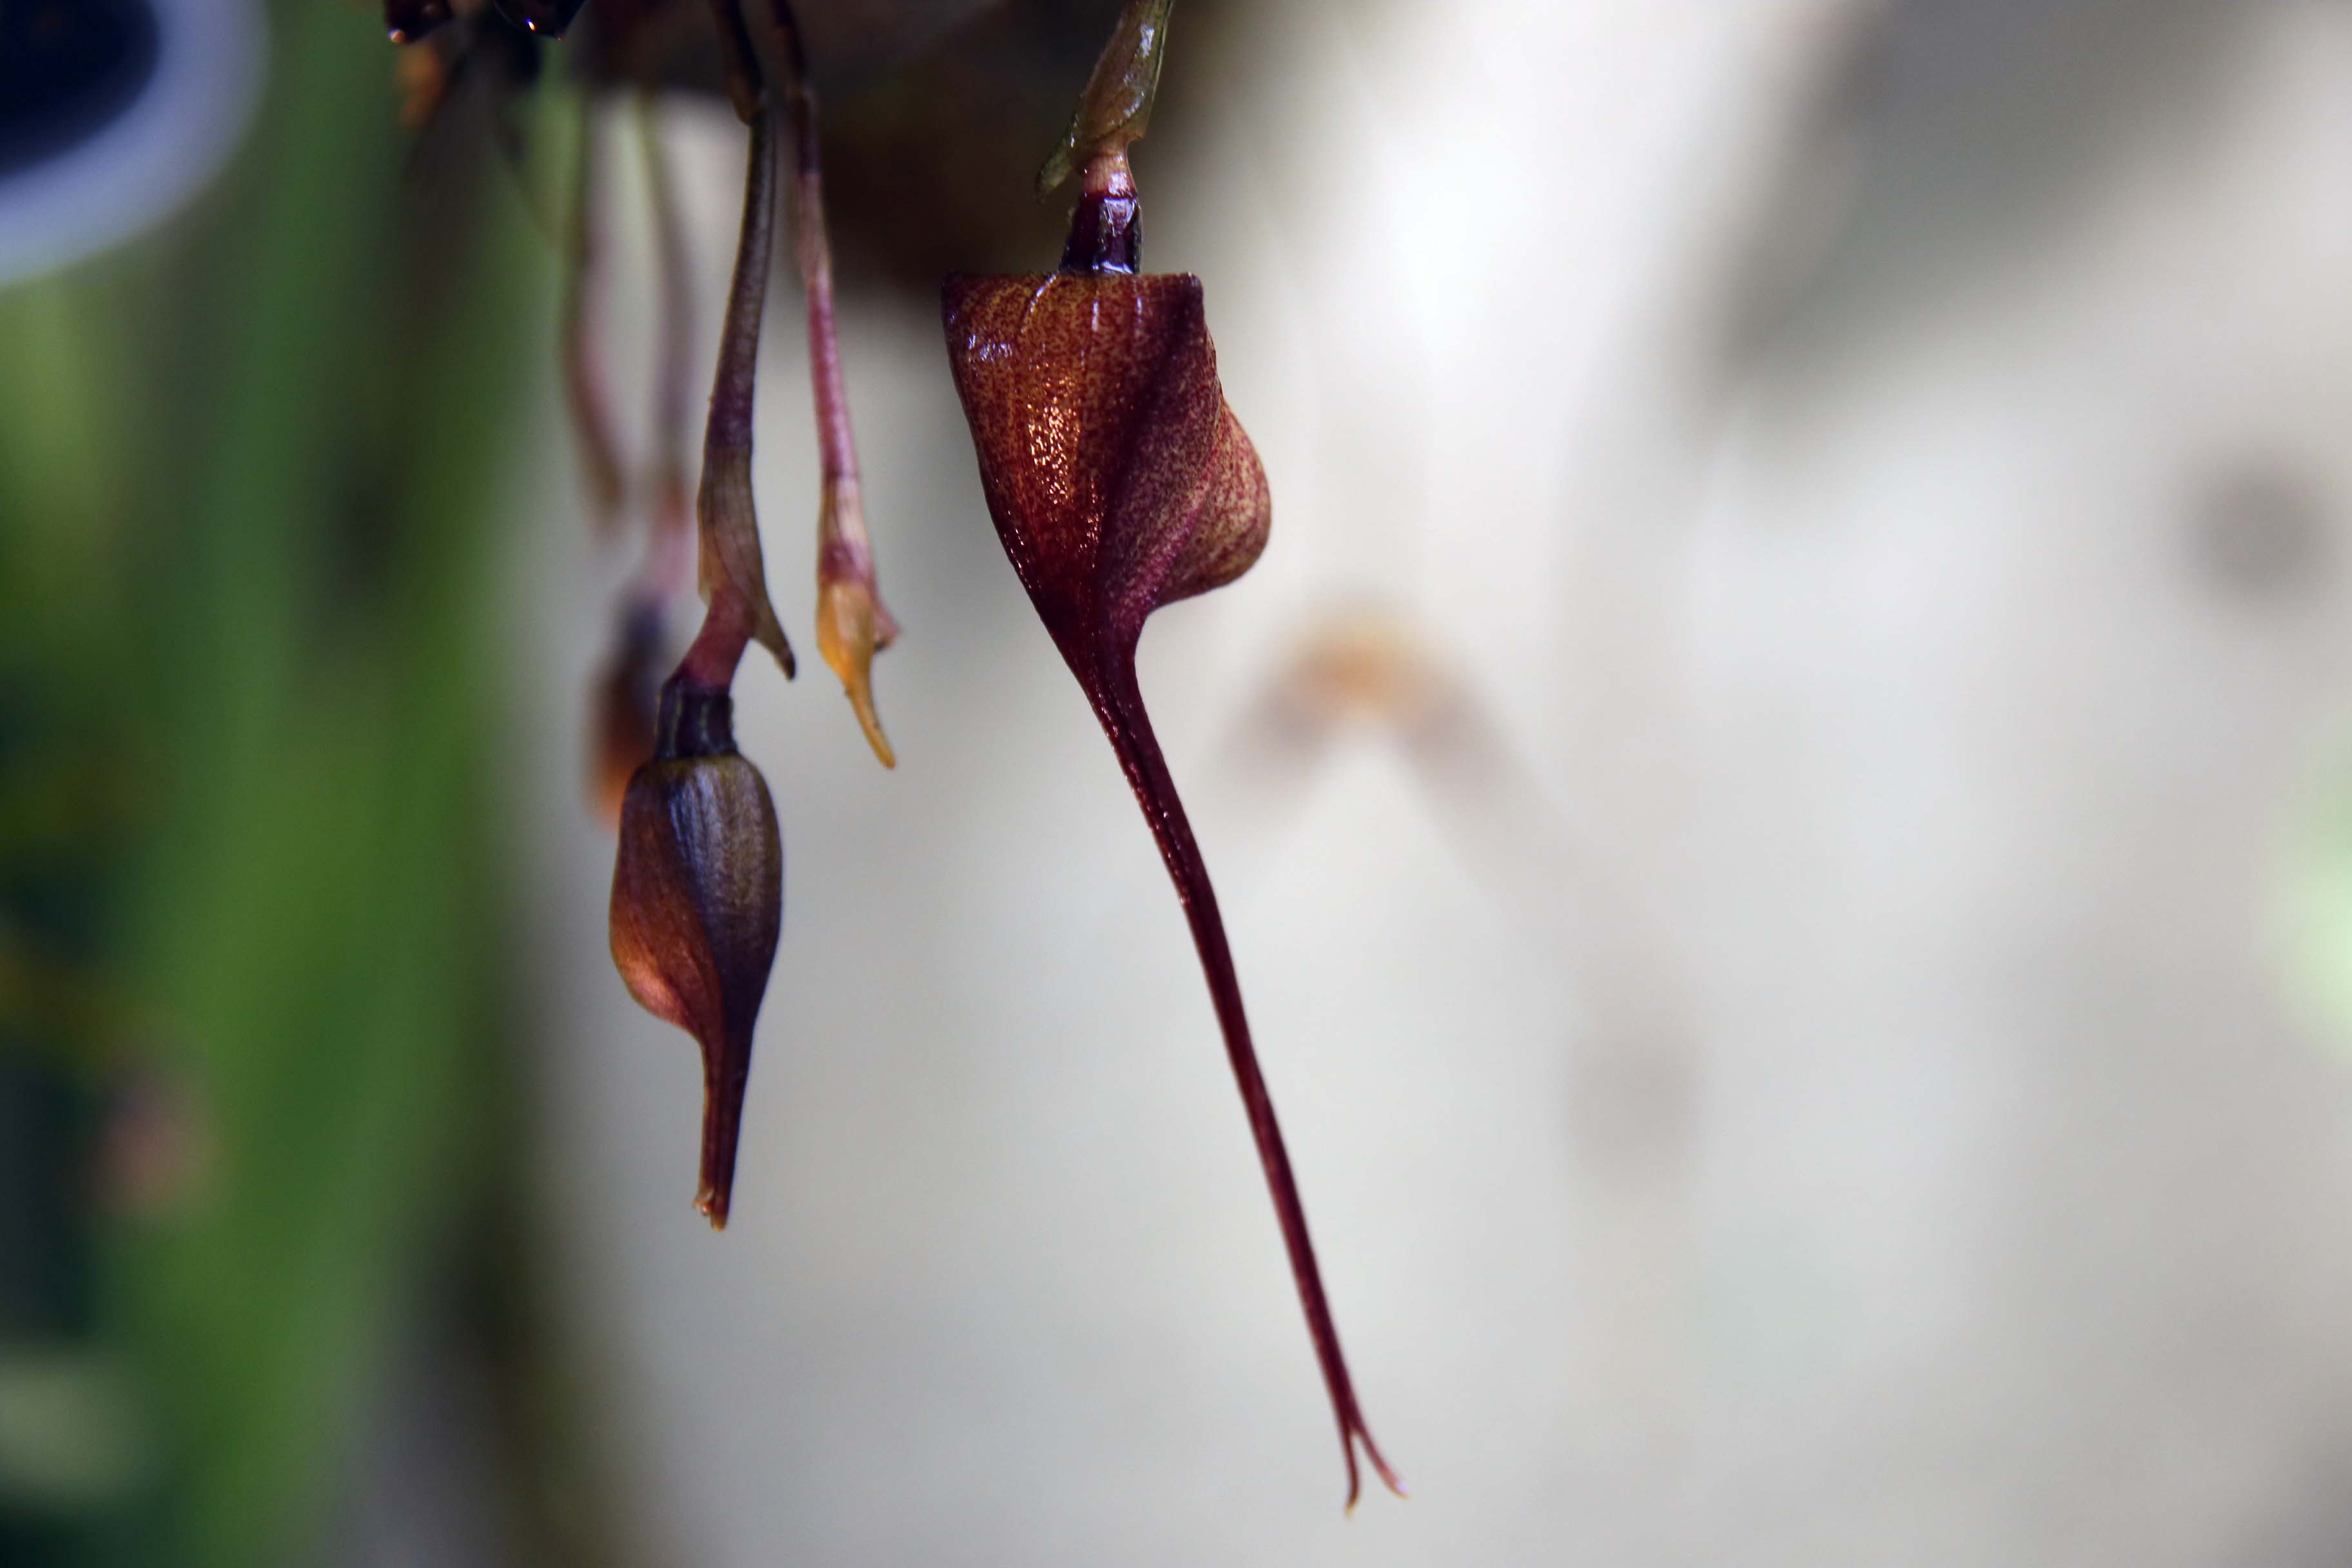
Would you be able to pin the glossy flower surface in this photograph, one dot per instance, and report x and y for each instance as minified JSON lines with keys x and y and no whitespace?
{"x":1117,"y":476}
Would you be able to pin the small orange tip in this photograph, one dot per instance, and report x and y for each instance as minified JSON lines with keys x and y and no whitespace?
{"x":851,"y":626}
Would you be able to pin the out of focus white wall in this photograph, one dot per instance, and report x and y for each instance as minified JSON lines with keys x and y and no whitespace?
{"x":1781,"y":1029}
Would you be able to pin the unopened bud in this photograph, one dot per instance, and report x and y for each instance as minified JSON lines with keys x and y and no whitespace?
{"x":698,"y":905}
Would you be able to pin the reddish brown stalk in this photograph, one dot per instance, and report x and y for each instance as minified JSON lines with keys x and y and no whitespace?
{"x":733,"y":577}
{"x":1107,"y":229}
{"x":1119,"y":703}
{"x":718,"y":646}
{"x":851,"y":621}
{"x":583,"y":378}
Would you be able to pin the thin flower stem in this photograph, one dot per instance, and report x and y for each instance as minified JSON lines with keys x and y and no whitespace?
{"x":1118,"y":704}
{"x":852,"y":624}
{"x":673,"y":387}
{"x":583,"y":378}
{"x":718,"y":648}
{"x":734,"y":581}
{"x":837,"y":442}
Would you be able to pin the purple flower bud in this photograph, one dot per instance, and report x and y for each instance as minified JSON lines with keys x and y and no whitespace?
{"x":698,"y":905}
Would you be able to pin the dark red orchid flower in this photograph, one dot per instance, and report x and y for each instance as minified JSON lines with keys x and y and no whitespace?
{"x":1120,"y":481}
{"x":1119,"y":477}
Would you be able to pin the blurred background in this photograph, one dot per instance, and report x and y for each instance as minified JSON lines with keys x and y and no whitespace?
{"x":1783,"y":795}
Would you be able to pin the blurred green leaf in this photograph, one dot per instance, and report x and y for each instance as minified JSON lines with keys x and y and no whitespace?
{"x":251,"y":472}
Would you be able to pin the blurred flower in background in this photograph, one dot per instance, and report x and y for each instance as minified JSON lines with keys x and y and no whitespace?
{"x":1777,"y":790}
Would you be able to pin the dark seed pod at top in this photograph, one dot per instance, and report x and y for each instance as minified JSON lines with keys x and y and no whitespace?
{"x":698,"y":906}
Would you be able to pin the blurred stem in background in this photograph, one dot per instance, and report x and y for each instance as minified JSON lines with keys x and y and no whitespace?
{"x":254,"y":1083}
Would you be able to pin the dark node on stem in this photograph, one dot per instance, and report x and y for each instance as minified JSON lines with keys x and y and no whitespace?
{"x":1107,"y":229}
{"x":697,"y":721}
{"x":1105,"y":235}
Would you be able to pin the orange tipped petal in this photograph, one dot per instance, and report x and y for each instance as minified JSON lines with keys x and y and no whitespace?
{"x":851,"y":624}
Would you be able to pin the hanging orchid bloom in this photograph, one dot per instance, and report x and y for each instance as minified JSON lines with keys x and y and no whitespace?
{"x":1120,"y":481}
{"x":697,"y":884}
{"x":1119,"y":477}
